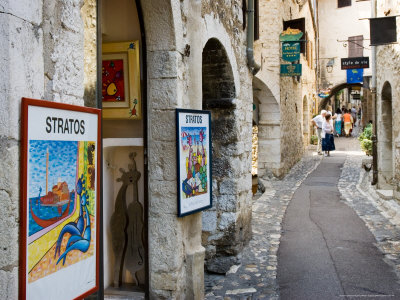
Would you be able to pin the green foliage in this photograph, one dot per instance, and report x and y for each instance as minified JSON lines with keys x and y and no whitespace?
{"x":365,"y":139}
{"x":314,"y":140}
{"x":367,"y":133}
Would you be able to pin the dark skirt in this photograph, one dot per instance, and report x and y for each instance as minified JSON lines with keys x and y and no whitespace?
{"x":328,"y":143}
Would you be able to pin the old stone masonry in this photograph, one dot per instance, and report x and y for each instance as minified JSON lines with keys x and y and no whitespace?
{"x":256,"y":276}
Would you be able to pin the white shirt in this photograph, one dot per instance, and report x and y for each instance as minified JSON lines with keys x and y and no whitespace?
{"x":339,"y":117}
{"x":319,"y":120}
{"x":326,"y":128}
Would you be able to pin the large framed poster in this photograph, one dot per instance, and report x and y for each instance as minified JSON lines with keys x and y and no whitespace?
{"x":59,"y":238}
{"x":193,"y":135}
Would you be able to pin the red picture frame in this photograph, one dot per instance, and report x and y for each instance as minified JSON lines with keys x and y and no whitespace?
{"x":78,"y":243}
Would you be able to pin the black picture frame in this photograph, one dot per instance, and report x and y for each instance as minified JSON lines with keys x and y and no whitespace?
{"x":194,"y":170}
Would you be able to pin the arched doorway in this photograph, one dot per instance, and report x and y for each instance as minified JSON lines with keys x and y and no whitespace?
{"x":385,"y":139}
{"x":269,"y":130}
{"x":223,"y":232}
{"x":124,"y":149}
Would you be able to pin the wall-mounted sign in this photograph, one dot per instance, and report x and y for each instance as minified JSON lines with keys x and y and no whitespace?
{"x":291,"y":70}
{"x":291,"y":51}
{"x":355,"y":63}
{"x":355,"y":75}
{"x":290,"y":34}
{"x":193,"y":136}
{"x":383,"y":30}
{"x":59,"y":243}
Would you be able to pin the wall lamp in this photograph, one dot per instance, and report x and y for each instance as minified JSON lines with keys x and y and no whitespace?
{"x":329,"y":65}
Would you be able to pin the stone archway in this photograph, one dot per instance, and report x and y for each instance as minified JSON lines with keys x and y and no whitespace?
{"x":385,"y":139}
{"x":225,"y":228}
{"x":269,"y":130}
{"x":324,"y":102}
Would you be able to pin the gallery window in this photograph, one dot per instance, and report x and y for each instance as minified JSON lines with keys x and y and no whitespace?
{"x":343,"y":3}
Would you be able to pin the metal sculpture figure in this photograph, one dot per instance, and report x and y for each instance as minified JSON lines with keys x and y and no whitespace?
{"x":135,"y":249}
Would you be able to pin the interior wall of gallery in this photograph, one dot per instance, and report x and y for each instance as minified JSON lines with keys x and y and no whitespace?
{"x":121,"y":137}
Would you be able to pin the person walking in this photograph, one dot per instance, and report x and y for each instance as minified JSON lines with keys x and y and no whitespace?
{"x":348,"y":121}
{"x":317,"y":123}
{"x":338,"y":123}
{"x":328,"y":143}
{"x":354,"y":115}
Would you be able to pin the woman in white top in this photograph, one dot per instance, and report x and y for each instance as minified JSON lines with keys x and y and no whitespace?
{"x":328,"y":143}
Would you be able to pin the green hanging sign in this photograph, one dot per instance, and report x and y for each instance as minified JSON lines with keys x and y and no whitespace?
{"x":291,"y":51}
{"x":291,"y":70}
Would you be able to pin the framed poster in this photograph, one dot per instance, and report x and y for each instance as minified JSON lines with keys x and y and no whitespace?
{"x":193,"y":135}
{"x":121,"y":81}
{"x":59,"y":238}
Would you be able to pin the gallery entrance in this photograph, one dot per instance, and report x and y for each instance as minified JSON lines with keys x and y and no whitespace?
{"x":124,"y":184}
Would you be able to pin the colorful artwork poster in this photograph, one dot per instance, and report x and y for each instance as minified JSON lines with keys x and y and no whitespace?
{"x":60,"y":202}
{"x":113,"y":80}
{"x":194,"y":161}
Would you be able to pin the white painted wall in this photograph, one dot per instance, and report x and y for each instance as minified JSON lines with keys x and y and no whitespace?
{"x":339,"y":24}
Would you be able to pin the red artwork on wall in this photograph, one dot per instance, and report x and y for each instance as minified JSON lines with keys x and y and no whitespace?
{"x":113,"y":80}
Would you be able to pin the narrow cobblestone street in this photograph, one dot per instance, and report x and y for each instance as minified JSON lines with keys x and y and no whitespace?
{"x":256,"y":276}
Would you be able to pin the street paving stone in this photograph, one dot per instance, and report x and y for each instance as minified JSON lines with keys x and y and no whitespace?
{"x":354,"y":185}
{"x":256,"y":278}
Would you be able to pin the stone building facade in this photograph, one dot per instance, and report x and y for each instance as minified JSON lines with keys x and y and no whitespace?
{"x":284,"y":104}
{"x":388,"y":106}
{"x":49,"y":51}
{"x":348,"y":37}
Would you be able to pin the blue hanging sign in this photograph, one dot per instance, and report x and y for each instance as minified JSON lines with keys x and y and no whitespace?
{"x":355,"y":75}
{"x":291,"y":70}
{"x":291,"y":51}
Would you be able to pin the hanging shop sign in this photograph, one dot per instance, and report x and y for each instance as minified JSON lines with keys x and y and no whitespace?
{"x":355,"y":75}
{"x":383,"y":30}
{"x":59,"y":248}
{"x":355,"y":63}
{"x":291,"y":51}
{"x":121,"y":98}
{"x":193,"y":136}
{"x":323,"y":94}
{"x":290,"y":34}
{"x":291,"y":70}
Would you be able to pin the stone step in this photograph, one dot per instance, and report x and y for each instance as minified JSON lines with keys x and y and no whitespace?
{"x":385,"y":194}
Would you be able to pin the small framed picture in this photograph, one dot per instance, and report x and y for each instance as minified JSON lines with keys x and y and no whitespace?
{"x":121,"y":81}
{"x":60,"y":204}
{"x":194,"y":158}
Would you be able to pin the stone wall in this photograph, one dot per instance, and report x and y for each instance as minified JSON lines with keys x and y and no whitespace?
{"x":88,"y":12}
{"x":176,"y":33}
{"x":41,"y":47}
{"x":48,"y":51}
{"x":282,"y":115}
{"x":388,"y":70}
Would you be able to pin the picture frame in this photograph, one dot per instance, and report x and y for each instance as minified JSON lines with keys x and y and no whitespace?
{"x":121,"y":96}
{"x":60,"y":200}
{"x":194,"y":161}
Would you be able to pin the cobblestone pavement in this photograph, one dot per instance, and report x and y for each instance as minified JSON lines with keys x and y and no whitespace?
{"x":255,"y":278}
{"x":354,"y":185}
